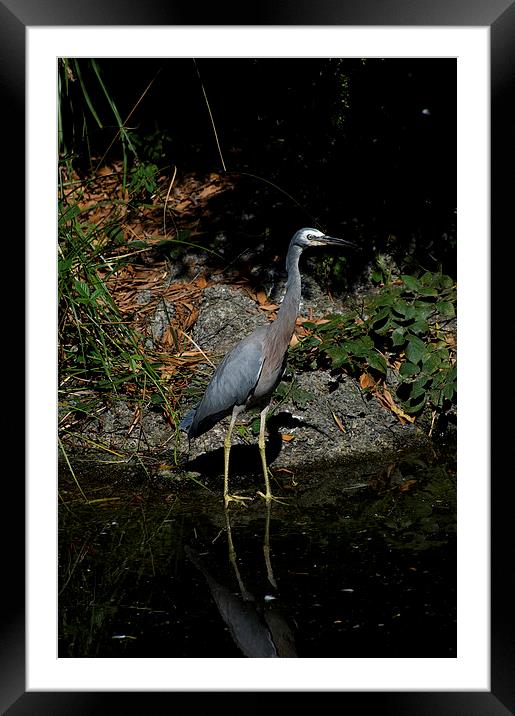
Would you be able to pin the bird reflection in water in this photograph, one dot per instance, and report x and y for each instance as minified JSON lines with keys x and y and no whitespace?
{"x":257,"y":626}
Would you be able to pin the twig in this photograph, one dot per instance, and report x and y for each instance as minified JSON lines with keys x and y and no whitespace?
{"x":197,"y":347}
{"x":210,"y":115}
{"x":166,"y":200}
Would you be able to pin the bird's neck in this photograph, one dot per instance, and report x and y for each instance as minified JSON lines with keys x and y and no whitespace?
{"x":289,"y":309}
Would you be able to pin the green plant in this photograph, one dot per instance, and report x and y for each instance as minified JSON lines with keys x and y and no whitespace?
{"x":401,"y":328}
{"x":381,"y":273}
{"x":332,"y":270}
{"x":286,"y":390}
{"x":143,"y":179}
{"x":100,"y":354}
{"x":83,"y":101}
{"x":153,"y":146}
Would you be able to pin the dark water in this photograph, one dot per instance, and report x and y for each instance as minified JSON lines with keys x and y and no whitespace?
{"x":147,"y":570}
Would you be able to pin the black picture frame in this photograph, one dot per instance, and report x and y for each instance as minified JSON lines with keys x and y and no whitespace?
{"x":15,"y":17}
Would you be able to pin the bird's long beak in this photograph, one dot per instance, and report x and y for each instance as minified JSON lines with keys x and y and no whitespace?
{"x":332,"y":241}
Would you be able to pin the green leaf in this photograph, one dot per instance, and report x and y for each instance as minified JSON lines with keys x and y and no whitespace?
{"x":121,"y":127}
{"x":82,"y":289}
{"x":398,"y":336}
{"x":282,"y":389}
{"x":436,"y":397}
{"x":418,"y":388}
{"x":382,"y":327}
{"x":69,"y":213}
{"x":411,"y":283}
{"x":144,"y":176}
{"x":387,"y":297}
{"x":338,"y":356}
{"x":301,"y":397}
{"x":309,"y":325}
{"x":424,"y":308}
{"x":332,"y":324}
{"x":255,"y":426}
{"x":430,"y":279}
{"x":381,"y":315}
{"x":446,"y":308}
{"x":432,"y":362}
{"x":411,"y":313}
{"x":401,"y":308}
{"x":408,"y":369}
{"x":449,"y":390}
{"x":420,"y":326}
{"x":310,"y":342}
{"x":446,"y":281}
{"x":359,"y":347}
{"x":64,"y":265}
{"x":415,"y":349}
{"x":377,"y":361}
{"x":86,"y":94}
{"x":115,"y":232}
{"x":428,"y":291}
{"x":415,"y":402}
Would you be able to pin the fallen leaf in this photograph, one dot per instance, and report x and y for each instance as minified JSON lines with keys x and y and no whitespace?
{"x":385,"y":398}
{"x":286,"y":437}
{"x":208,"y":191}
{"x":366,"y":381}
{"x":406,"y":485}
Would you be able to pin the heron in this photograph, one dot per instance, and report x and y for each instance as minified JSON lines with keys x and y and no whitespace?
{"x":251,"y":371}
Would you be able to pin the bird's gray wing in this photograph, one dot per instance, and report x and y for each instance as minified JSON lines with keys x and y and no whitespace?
{"x":232,"y":383}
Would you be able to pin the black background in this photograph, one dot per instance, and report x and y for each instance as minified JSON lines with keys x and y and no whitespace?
{"x":14,"y":17}
{"x":366,"y":149}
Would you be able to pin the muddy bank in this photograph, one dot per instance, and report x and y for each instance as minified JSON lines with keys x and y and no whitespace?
{"x":324,"y":430}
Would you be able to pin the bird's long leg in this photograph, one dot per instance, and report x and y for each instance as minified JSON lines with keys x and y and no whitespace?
{"x":266,"y":472}
{"x":261,"y":443}
{"x":227,"y":449}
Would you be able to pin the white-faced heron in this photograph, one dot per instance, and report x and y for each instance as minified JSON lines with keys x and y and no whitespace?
{"x":251,"y":371}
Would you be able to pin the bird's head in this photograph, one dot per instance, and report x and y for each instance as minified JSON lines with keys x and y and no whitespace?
{"x":313,"y":237}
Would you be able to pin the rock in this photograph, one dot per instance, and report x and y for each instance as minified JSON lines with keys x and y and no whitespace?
{"x":313,"y":436}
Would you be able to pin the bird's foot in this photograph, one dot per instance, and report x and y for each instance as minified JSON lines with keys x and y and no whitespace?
{"x":236,"y":498}
{"x":269,"y":497}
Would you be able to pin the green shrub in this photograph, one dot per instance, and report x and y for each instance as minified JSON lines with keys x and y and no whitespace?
{"x":401,"y":328}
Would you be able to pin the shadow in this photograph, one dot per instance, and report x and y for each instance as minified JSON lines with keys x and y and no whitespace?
{"x":291,"y":165}
{"x":257,"y":625}
{"x":245,"y":459}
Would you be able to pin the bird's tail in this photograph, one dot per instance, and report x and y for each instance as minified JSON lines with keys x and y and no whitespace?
{"x":187,"y":420}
